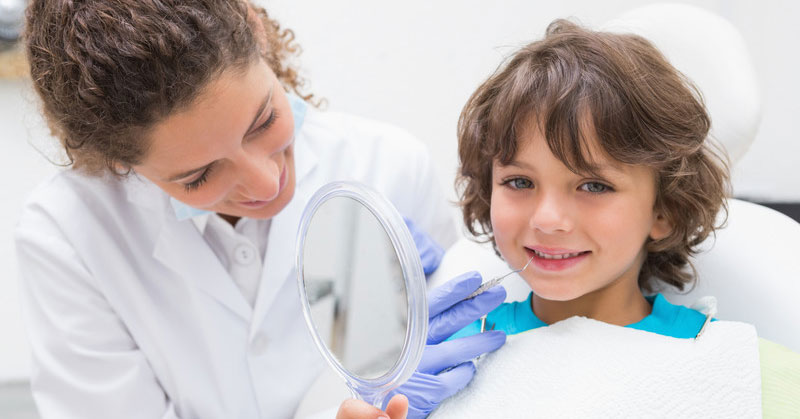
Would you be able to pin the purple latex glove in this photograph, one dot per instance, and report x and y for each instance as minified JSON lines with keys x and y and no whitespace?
{"x":446,"y":366}
{"x":430,"y":253}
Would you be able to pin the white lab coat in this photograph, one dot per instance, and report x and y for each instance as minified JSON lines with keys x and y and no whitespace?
{"x":131,"y":314}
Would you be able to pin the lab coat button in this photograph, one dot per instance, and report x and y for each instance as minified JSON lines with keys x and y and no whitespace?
{"x":244,"y":254}
{"x":259,"y":344}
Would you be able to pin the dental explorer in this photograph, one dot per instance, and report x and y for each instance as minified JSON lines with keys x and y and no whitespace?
{"x":491,"y":284}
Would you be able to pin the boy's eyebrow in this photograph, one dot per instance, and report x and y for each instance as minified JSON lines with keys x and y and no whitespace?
{"x":607,"y":168}
{"x":259,"y":111}
{"x":520,"y":164}
{"x":600,"y":169}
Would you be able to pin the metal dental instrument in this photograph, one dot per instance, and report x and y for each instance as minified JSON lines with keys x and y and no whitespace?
{"x":496,"y":281}
{"x":492,"y":283}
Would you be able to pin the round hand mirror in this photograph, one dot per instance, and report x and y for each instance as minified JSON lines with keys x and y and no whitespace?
{"x":362,"y":288}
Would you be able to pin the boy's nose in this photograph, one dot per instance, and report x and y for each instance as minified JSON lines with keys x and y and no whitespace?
{"x":550,"y":215}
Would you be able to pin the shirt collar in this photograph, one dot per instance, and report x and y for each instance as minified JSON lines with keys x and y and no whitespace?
{"x":665,"y":318}
{"x":185,"y":212}
{"x":526,"y":320}
{"x":670,"y":320}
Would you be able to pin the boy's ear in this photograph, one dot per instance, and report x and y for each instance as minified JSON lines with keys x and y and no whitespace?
{"x":662,"y":227}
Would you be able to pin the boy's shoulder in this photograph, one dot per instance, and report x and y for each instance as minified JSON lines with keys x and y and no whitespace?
{"x":780,"y":379}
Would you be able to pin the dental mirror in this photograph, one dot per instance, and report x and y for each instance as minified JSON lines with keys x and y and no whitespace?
{"x":362,"y":288}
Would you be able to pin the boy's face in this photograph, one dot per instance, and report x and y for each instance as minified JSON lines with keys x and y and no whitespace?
{"x":585,"y":234}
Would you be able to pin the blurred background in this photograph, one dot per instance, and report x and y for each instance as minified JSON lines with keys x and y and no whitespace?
{"x":412,"y":64}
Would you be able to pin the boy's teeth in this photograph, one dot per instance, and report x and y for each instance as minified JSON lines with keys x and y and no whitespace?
{"x":564,"y":256}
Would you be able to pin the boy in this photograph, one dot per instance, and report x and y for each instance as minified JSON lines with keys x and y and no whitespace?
{"x":586,"y":154}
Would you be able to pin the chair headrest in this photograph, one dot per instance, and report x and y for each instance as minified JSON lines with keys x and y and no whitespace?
{"x":712,"y":53}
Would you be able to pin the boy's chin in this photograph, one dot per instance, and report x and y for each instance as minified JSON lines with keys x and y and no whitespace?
{"x":552,"y":293}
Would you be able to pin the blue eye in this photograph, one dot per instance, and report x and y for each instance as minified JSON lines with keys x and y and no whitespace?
{"x":595,"y":187}
{"x":518,"y":183}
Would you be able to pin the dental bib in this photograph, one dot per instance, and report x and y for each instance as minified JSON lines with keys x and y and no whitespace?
{"x":583,"y":368}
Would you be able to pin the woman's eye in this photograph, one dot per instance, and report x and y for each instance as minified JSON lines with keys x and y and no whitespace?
{"x":595,"y":187}
{"x":268,"y":123}
{"x":519,"y":183}
{"x":193,"y":185}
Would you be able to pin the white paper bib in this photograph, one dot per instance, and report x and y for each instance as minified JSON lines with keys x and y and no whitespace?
{"x":585,"y":368}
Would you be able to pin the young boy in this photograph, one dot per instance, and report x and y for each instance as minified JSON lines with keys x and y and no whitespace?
{"x":586,"y":154}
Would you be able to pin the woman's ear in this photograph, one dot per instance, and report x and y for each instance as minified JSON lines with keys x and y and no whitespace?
{"x":122,"y":169}
{"x":662,"y":227}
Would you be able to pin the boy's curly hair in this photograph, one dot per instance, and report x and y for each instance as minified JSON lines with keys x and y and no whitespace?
{"x":107,"y":71}
{"x":643,"y":111}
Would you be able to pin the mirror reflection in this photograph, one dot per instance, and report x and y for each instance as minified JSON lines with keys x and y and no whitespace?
{"x":355,"y":287}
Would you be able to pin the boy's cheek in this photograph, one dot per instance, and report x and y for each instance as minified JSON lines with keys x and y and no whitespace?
{"x":503,"y":227}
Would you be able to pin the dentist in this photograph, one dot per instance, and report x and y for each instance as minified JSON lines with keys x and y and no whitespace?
{"x":156,"y":269}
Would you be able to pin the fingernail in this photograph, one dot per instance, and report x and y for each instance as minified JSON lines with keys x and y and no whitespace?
{"x":383,"y":417}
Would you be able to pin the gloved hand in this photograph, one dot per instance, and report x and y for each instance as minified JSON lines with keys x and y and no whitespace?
{"x":446,"y":366}
{"x":430,"y":253}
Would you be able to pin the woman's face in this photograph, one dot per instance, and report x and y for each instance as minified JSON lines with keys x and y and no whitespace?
{"x":231,"y":151}
{"x":585,"y":234}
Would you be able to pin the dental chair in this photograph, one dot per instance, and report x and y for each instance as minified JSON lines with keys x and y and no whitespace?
{"x":752,"y":266}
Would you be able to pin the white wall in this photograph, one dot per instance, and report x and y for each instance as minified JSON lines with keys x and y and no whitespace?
{"x":21,"y":168}
{"x":414,"y":64}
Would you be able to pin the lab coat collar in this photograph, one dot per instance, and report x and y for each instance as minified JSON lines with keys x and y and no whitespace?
{"x":201,"y":221}
{"x":181,"y":247}
{"x":143,"y":193}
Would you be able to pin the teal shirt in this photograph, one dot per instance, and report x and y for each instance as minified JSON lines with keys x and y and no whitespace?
{"x":665,"y":319}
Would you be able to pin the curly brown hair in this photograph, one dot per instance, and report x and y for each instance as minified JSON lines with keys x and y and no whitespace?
{"x":643,"y":111}
{"x":107,"y":71}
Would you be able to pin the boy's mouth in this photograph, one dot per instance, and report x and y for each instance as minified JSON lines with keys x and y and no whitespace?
{"x":556,"y":259}
{"x":545,"y":255}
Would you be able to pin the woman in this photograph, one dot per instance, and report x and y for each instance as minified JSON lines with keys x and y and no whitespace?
{"x":156,"y":270}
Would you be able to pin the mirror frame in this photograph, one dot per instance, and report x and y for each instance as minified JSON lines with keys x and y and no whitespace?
{"x":373,"y":390}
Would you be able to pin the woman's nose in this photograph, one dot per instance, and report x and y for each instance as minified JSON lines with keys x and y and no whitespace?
{"x":260,"y":178}
{"x":551,"y":214}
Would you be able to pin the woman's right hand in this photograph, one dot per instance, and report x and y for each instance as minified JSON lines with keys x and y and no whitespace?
{"x":359,"y":409}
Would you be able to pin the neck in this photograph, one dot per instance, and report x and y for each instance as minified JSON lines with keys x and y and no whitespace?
{"x":620,"y":303}
{"x":229,"y":218}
